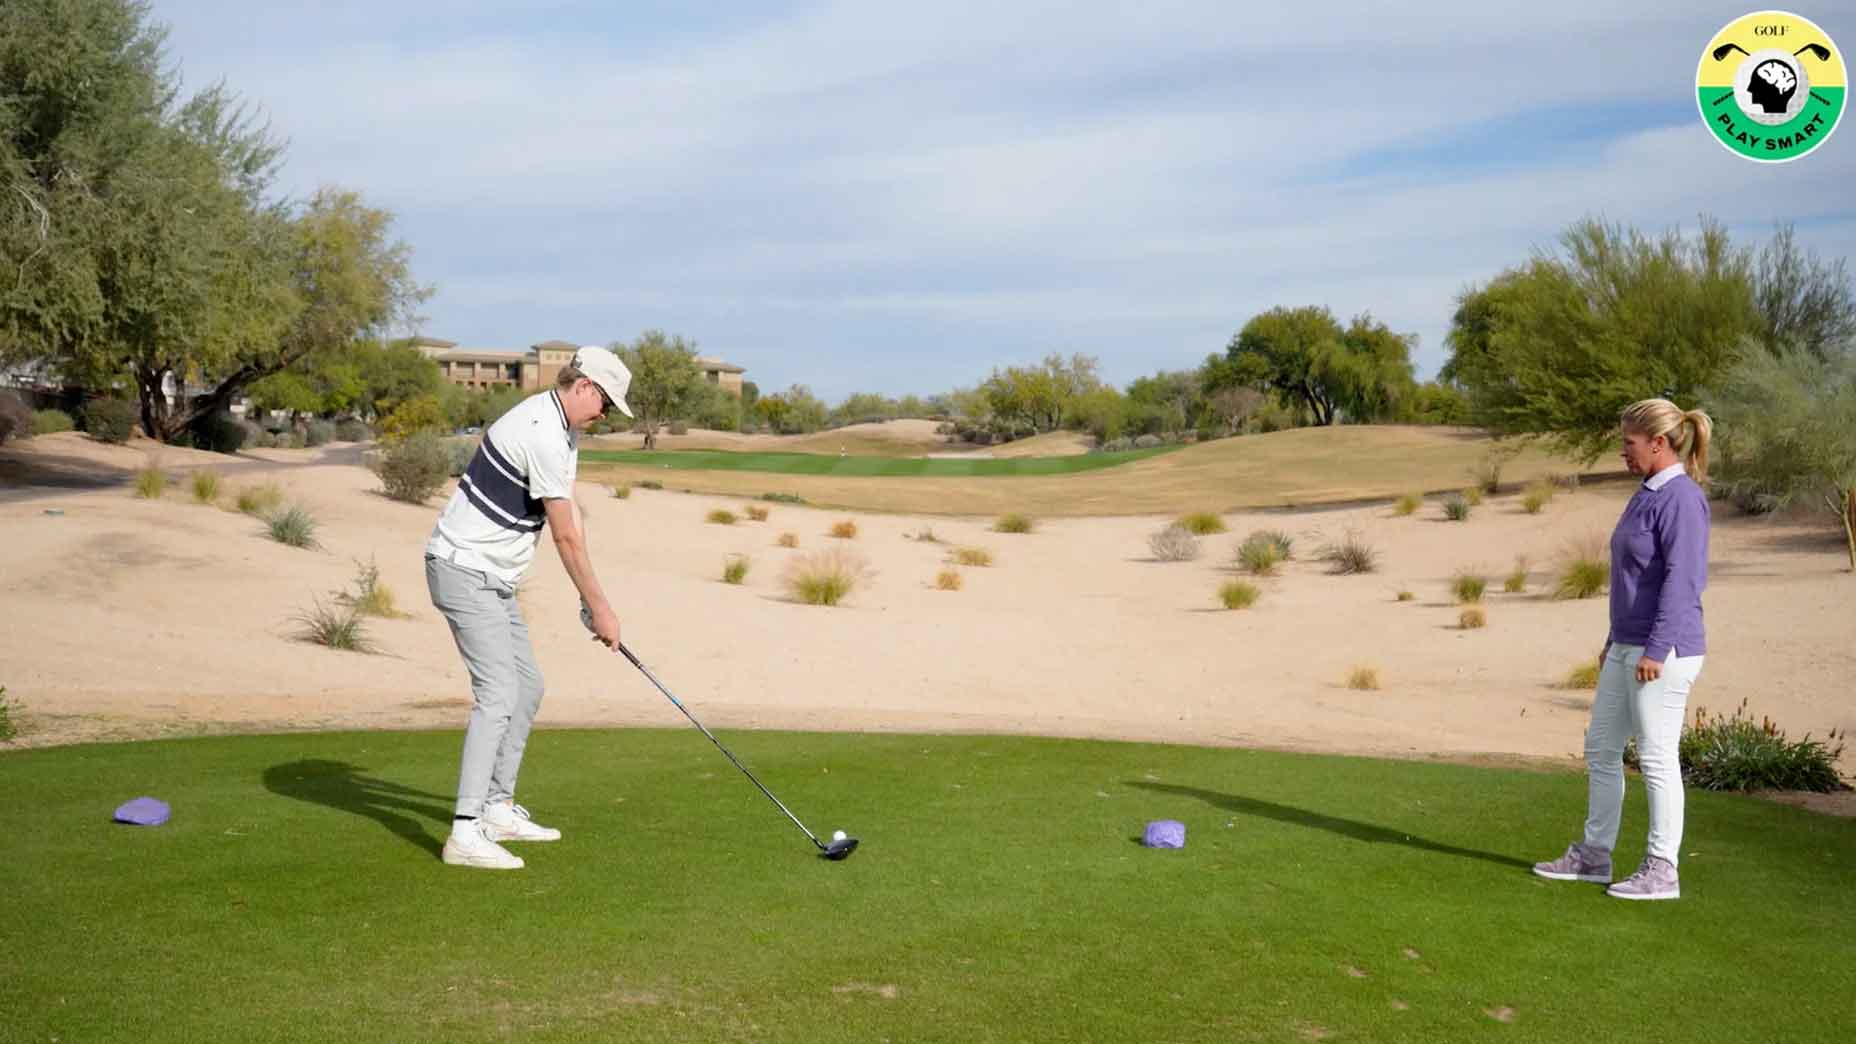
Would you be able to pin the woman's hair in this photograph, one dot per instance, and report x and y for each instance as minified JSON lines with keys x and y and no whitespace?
{"x":568,"y":375}
{"x":1688,"y":431}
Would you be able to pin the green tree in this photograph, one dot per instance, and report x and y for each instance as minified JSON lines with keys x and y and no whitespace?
{"x":665,"y":379}
{"x":863,"y":406}
{"x":395,"y":373}
{"x":1559,"y":346}
{"x":1360,"y":371}
{"x":1172,"y":398}
{"x":1785,"y":432}
{"x":1804,"y":304}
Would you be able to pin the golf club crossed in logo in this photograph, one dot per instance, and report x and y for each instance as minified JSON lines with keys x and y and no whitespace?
{"x":1783,"y":108}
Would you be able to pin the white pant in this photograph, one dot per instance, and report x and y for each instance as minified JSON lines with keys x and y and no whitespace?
{"x":1653,"y":712}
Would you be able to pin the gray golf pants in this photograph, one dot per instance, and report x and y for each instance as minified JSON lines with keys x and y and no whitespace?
{"x":504,"y":681}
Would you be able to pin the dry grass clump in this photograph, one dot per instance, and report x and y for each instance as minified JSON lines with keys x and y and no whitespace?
{"x":341,"y":628}
{"x":1238,"y":594}
{"x":947,"y":580}
{"x":293,"y":526}
{"x":1585,"y":567}
{"x":722,"y":517}
{"x":788,"y":540}
{"x":1472,"y":618}
{"x":1363,"y":678}
{"x":1351,"y":555}
{"x":1538,"y":496}
{"x":735,"y":569}
{"x":845,"y":530}
{"x":621,"y":491}
{"x":825,"y":577}
{"x":205,"y":486}
{"x":1201,"y":523}
{"x":260,"y":500}
{"x":150,"y":482}
{"x":757,"y":513}
{"x":1405,"y":596}
{"x":972,"y":556}
{"x":1263,"y":550}
{"x":1468,"y":586}
{"x":1516,"y":581}
{"x":1472,"y":495}
{"x":370,"y":596}
{"x":1584,"y":676}
{"x":1014,"y":523}
{"x":1175,"y":543}
{"x":1456,"y":507}
{"x":1407,"y":505}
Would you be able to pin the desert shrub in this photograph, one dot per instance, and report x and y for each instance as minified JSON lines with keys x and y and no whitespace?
{"x":1281,"y":541}
{"x":1363,"y":678}
{"x":757,"y":513}
{"x":923,"y":536}
{"x":845,"y":530}
{"x":1538,"y":495}
{"x":1585,"y":567}
{"x":111,"y":420}
{"x":947,"y":580}
{"x":1351,"y":555}
{"x":319,"y":433}
{"x":220,"y":432}
{"x":335,"y":627}
{"x":1147,"y":441}
{"x":260,"y":500}
{"x":721,"y":517}
{"x":7,"y":729}
{"x":824,"y":577}
{"x":783,"y":498}
{"x":1407,"y":505}
{"x":413,"y":468}
{"x":1471,"y":618}
{"x":1736,"y":753}
{"x":263,"y":440}
{"x":460,"y":452}
{"x":150,"y":482}
{"x":621,"y":491}
{"x":1237,"y":594}
{"x":352,"y":430}
{"x":972,"y":556}
{"x":1472,"y":496}
{"x":206,"y":485}
{"x":1488,"y":470}
{"x":1405,"y":596}
{"x":1202,"y":523}
{"x":1468,"y":587}
{"x":290,"y":440}
{"x":1456,"y":507}
{"x":294,"y":526}
{"x":650,"y":484}
{"x":678,"y":427}
{"x":1014,"y":523}
{"x":370,"y":597}
{"x":735,"y":569}
{"x":50,"y":422}
{"x":1584,"y":676}
{"x":788,"y":540}
{"x":1259,"y":555}
{"x":409,"y":418}
{"x":1516,"y":581}
{"x":1175,"y":543}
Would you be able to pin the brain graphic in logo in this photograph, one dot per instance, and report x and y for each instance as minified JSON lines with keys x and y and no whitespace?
{"x":1772,"y":86}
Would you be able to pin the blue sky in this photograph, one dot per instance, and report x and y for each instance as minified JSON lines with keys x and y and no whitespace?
{"x":898,"y":198}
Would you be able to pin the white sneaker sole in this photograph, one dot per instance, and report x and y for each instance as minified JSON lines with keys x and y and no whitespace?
{"x":453,"y":857}
{"x":1587,"y":878}
{"x":1677,"y":894}
{"x":500,"y":836}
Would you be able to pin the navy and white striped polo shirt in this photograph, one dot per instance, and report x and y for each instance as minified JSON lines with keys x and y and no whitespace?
{"x":493,"y":521}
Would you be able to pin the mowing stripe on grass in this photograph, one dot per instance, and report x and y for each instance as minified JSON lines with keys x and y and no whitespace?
{"x":884,"y":467}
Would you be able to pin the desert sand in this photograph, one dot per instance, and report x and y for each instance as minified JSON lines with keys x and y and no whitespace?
{"x":129,"y":618}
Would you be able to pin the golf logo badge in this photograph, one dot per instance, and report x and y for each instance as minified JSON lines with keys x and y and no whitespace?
{"x":1770,"y":86}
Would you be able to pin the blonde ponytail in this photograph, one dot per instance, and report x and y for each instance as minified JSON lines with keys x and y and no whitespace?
{"x":1701,"y":434}
{"x":1689,"y":432}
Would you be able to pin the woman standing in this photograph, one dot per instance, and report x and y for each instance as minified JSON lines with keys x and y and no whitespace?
{"x":1653,"y":653}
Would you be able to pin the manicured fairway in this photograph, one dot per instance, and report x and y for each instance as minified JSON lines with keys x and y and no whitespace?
{"x":999,"y":896}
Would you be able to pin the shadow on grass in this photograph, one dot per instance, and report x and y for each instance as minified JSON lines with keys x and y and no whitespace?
{"x":340,"y":785}
{"x":1332,"y":824}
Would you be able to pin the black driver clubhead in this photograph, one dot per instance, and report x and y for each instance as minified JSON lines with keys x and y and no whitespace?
{"x":840,"y":849}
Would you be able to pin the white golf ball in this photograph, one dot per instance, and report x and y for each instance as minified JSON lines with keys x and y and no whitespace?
{"x":837,"y":835}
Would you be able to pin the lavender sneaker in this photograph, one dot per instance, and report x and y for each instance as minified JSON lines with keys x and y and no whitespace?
{"x":1655,"y":879}
{"x":1580,"y":863}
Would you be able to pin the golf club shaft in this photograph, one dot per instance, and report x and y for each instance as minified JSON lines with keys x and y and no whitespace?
{"x":718,"y":743}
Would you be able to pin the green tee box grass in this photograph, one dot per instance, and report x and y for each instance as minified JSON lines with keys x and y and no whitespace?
{"x":884,"y":467}
{"x":999,"y":896}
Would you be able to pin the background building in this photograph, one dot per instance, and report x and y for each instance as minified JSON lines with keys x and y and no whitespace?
{"x":535,"y":369}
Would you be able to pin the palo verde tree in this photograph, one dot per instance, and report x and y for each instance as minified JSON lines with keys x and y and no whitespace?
{"x":665,"y":379}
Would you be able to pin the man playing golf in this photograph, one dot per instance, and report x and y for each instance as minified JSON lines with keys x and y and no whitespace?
{"x":520,"y":480}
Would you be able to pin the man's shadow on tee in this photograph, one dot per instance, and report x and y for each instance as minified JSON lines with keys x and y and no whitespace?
{"x":340,"y":785}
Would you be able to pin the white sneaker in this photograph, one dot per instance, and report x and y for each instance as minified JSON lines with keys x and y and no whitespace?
{"x":508,"y":821}
{"x":471,"y":844}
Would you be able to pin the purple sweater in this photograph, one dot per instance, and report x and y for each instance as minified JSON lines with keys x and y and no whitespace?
{"x":1659,"y":565}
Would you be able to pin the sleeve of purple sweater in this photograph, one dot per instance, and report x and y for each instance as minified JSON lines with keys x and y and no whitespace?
{"x":1682,"y":540}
